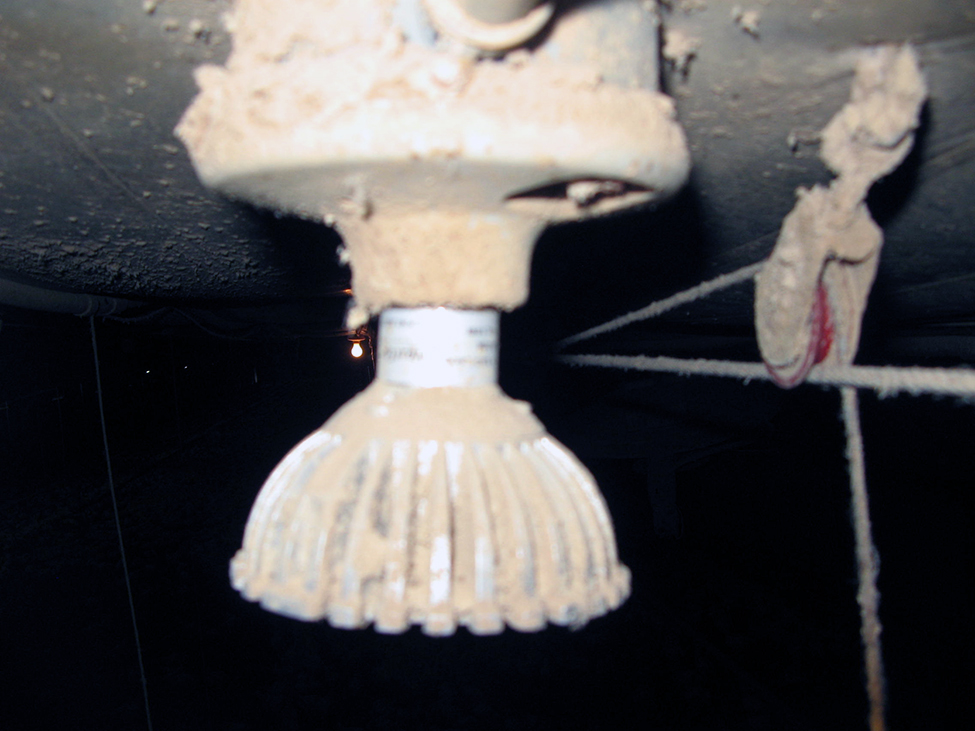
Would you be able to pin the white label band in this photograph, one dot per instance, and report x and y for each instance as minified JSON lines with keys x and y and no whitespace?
{"x":438,"y":347}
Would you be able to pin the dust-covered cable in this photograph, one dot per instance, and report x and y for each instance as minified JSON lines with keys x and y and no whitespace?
{"x":661,"y":306}
{"x":868,"y":597}
{"x":886,"y":380}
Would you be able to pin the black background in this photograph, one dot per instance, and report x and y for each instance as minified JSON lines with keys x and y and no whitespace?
{"x":747,"y":621}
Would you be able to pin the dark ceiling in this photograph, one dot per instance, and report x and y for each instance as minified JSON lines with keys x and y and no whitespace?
{"x":98,"y":196}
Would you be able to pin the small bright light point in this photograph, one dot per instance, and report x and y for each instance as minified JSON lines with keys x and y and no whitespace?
{"x":356,"y":350}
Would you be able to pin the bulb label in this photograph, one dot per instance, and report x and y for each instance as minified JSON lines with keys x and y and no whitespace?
{"x":438,"y":347}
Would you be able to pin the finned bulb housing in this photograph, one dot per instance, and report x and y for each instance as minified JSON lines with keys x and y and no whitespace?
{"x":433,"y":505}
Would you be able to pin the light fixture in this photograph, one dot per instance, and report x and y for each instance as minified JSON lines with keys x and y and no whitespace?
{"x":432,"y":498}
{"x":357,"y":338}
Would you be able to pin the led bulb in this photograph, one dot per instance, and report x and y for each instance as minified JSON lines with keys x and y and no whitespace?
{"x":356,"y":350}
{"x":432,"y":499}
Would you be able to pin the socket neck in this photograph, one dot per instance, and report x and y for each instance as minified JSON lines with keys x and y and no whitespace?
{"x":438,"y":347}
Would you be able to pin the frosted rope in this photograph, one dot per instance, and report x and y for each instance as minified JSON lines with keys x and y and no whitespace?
{"x":886,"y":380}
{"x":661,"y":306}
{"x":868,"y":598}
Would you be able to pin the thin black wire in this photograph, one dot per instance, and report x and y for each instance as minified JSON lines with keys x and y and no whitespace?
{"x":118,"y":523}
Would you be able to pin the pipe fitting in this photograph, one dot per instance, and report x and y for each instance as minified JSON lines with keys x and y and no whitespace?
{"x":458,"y":23}
{"x":498,"y":11}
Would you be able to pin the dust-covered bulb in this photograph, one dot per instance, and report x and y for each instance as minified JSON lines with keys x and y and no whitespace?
{"x":432,"y":499}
